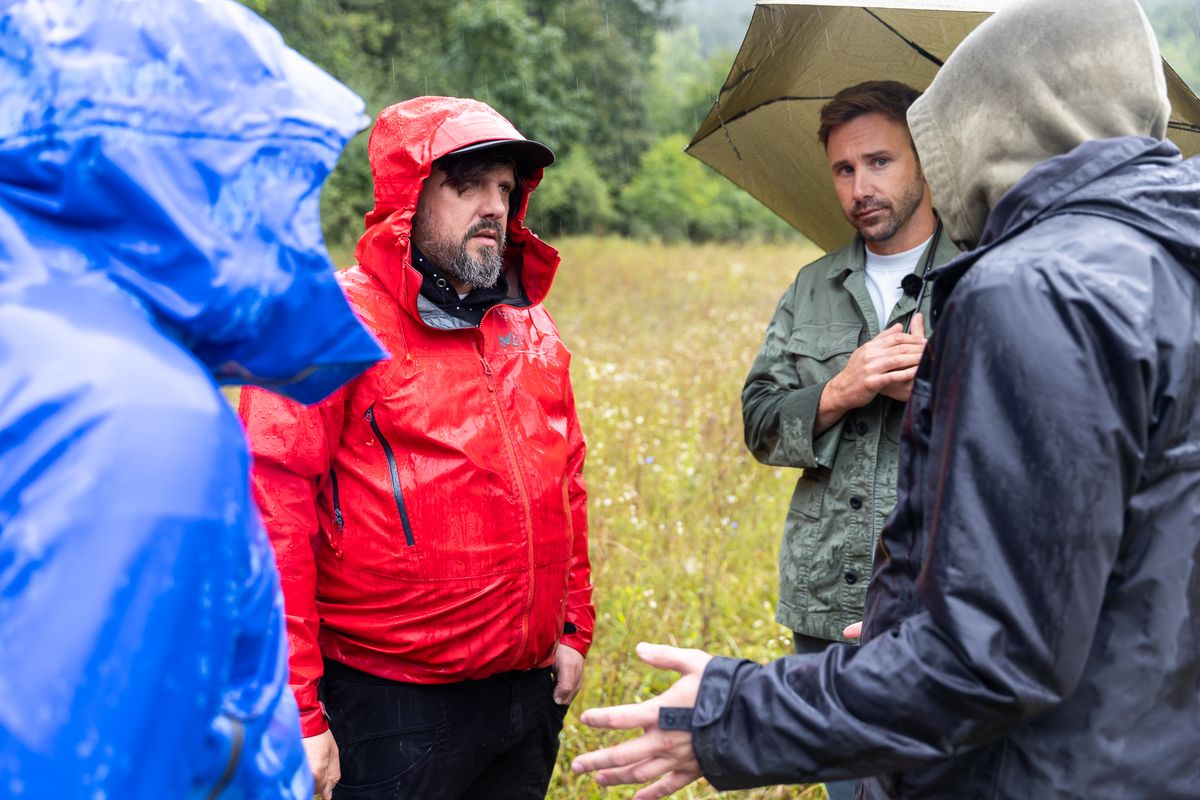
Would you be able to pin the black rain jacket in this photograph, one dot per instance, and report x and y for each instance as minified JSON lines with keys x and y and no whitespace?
{"x":1033,"y":625}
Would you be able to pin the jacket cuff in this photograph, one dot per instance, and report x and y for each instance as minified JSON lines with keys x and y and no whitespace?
{"x":577,"y":641}
{"x":802,"y":405}
{"x":712,"y":700}
{"x":313,"y":722}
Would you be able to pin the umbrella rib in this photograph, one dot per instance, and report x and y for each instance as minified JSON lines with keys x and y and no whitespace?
{"x":737,"y":153}
{"x":925,"y":53}
{"x":783,"y":99}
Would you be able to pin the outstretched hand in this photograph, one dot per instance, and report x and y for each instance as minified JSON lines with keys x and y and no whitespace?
{"x":663,"y":756}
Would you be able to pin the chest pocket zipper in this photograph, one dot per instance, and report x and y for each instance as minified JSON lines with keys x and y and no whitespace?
{"x":394,"y":474}
{"x":338,"y":518}
{"x":337,"y":506}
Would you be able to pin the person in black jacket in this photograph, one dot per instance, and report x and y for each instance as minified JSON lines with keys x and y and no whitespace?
{"x":1033,"y":626}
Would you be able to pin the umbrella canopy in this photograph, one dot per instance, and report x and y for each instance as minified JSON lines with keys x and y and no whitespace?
{"x":762,"y":131}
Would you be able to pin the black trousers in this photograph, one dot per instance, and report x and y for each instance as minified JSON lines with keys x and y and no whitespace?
{"x":494,"y":739}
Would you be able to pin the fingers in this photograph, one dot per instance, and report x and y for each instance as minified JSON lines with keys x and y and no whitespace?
{"x":629,"y":752}
{"x":322,"y":754}
{"x":853,"y":631}
{"x":331,"y":777}
{"x":324,"y":784}
{"x":893,"y":360}
{"x":640,"y":772}
{"x":917,"y":326}
{"x":677,"y":658}
{"x":334,"y":771}
{"x":669,"y":784}
{"x":633,"y":715}
{"x":568,"y":663}
{"x":896,"y":335}
{"x":881,"y":381}
{"x":567,"y":685}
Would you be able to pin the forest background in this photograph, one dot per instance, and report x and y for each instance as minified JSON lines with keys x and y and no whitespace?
{"x":614,"y":87}
{"x":684,"y":526}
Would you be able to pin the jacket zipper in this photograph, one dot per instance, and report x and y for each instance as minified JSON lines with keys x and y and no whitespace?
{"x":395,"y":476}
{"x":524,"y":493}
{"x":337,"y":506}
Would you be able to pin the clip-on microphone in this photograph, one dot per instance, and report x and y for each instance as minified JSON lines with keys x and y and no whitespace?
{"x":913,"y":284}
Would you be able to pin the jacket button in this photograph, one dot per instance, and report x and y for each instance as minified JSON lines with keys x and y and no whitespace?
{"x":862,"y":428}
{"x":851,"y":578}
{"x":855,"y":502}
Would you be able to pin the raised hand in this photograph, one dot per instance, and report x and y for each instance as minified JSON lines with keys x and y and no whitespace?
{"x":663,"y":756}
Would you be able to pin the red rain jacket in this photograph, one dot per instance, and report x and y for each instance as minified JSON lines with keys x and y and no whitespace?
{"x":430,"y":518}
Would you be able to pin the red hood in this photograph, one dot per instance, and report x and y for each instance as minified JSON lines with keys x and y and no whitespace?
{"x":407,"y":138}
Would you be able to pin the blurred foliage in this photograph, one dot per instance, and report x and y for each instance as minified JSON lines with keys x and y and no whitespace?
{"x":674,"y":198}
{"x":576,"y":199}
{"x":1177,"y":25}
{"x":570,"y":73}
{"x":615,"y":87}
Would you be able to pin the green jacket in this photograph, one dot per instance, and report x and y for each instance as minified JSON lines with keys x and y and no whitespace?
{"x":848,"y":486}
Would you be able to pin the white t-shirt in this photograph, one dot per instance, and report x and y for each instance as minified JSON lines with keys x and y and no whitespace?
{"x":884,"y":274}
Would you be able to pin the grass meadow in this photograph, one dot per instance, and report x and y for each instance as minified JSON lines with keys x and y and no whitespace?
{"x":685,"y":524}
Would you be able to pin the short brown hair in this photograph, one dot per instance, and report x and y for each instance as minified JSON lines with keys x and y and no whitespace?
{"x":889,"y":98}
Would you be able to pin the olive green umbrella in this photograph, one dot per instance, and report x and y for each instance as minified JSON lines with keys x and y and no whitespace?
{"x":762,"y":131}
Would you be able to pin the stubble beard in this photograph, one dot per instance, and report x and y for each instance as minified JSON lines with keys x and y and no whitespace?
{"x":898,"y":213}
{"x":453,"y":257}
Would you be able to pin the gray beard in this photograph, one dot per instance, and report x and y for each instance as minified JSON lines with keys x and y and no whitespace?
{"x":482,"y":272}
{"x":456,"y":262}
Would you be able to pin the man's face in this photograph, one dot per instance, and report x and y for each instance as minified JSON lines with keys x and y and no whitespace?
{"x":461,"y":229}
{"x":879,"y":182}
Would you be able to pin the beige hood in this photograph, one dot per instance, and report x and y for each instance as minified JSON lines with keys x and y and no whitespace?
{"x":1034,"y":81}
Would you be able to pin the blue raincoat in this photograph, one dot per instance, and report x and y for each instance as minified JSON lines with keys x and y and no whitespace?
{"x":160,"y":163}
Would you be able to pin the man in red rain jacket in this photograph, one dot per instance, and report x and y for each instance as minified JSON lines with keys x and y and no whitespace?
{"x":430,"y":518}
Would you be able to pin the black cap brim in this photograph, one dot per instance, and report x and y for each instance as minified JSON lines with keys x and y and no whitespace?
{"x":527,"y":153}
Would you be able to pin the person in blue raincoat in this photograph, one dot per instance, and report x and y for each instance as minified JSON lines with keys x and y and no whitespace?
{"x":159,"y":173}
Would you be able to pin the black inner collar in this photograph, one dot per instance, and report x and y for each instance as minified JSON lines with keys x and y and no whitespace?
{"x":437,"y":289}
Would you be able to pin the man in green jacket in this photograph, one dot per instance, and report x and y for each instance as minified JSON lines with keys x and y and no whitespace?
{"x":827,"y":390}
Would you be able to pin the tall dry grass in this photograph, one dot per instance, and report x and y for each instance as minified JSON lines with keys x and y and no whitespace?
{"x":685,"y":525}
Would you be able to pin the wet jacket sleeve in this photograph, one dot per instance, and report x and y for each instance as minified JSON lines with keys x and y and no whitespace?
{"x":778,"y":411}
{"x":293,"y":447}
{"x":142,"y":636}
{"x":1039,"y":400}
{"x":581,"y":615}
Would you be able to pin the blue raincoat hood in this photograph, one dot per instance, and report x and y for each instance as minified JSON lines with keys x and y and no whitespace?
{"x":159,"y":168}
{"x":183,"y":165}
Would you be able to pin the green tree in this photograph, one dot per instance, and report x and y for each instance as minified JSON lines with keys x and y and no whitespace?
{"x":575,"y":199}
{"x":1177,"y":25}
{"x":566,"y":72}
{"x":674,"y":197}
{"x":497,"y":55}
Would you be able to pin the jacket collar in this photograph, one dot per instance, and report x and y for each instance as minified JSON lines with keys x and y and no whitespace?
{"x":853,"y":257}
{"x":1044,"y":191}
